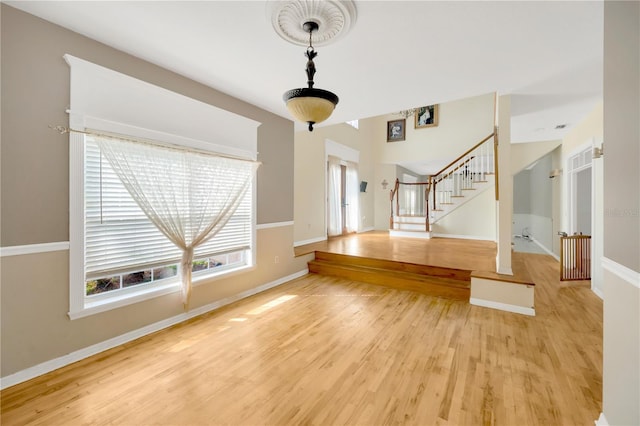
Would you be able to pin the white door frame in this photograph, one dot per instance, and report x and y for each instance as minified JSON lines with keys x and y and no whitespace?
{"x":585,"y":151}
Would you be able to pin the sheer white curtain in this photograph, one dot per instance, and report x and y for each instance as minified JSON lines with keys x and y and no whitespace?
{"x":188,"y":195}
{"x":334,"y":209}
{"x":352,"y":197}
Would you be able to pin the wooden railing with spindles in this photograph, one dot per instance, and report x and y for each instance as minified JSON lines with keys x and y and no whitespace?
{"x":447,"y":184}
{"x":402,"y":194}
{"x":460,"y":174}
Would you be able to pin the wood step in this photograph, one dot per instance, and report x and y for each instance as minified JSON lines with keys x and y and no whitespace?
{"x":425,"y":279}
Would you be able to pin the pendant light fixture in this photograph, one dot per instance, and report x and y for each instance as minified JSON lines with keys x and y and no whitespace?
{"x":309,"y":104}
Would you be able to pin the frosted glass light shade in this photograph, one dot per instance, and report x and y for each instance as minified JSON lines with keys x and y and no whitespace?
{"x":310,"y":105}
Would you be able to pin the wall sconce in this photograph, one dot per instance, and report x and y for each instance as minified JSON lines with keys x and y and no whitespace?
{"x":598,"y":152}
{"x":555,"y":172}
{"x":384,"y":184}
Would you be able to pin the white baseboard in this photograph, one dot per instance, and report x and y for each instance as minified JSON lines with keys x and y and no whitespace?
{"x":504,"y":270}
{"x":366,"y":230}
{"x":546,"y":250}
{"x":502,"y":306}
{"x":409,"y":234}
{"x":598,"y":292}
{"x":311,"y":241}
{"x":602,"y":420}
{"x":463,"y":237}
{"x":54,"y":364}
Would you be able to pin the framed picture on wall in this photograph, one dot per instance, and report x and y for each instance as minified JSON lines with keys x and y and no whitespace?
{"x":426,"y":116}
{"x":396,"y":130}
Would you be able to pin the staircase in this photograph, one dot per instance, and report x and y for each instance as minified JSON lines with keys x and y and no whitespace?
{"x":469,"y":175}
{"x":430,"y":280}
{"x":458,"y":190}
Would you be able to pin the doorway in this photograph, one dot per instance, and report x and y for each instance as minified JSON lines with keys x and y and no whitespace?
{"x":343,"y":197}
{"x":580,"y":186}
{"x":585,"y":200}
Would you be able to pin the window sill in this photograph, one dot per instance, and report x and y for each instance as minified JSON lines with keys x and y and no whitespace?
{"x":120,"y":300}
{"x":117,"y":301}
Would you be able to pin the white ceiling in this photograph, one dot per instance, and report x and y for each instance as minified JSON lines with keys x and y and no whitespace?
{"x":398,"y":55}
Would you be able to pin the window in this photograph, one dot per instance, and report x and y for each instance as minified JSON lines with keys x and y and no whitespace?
{"x":354,"y":123}
{"x":117,"y":257}
{"x":124,"y":253}
{"x":124,"y":249}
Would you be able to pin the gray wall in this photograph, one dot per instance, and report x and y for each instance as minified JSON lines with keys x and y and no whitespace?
{"x":522,"y":193}
{"x":35,"y":94}
{"x":533,"y":202}
{"x":621,"y":348}
{"x":622,"y":133}
{"x":532,"y":189}
{"x":540,"y":188}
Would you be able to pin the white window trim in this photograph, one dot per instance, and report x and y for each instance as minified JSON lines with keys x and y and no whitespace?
{"x":79,"y":304}
{"x":100,"y":99}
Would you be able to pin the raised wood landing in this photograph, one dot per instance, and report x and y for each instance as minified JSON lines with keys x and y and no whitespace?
{"x":436,"y":267}
{"x":425,"y":279}
{"x":471,"y":255}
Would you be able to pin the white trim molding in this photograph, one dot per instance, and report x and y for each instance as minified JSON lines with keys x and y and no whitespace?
{"x":546,"y":250}
{"x":311,"y":241}
{"x":602,"y":420}
{"x":502,"y":306}
{"x":33,"y":249}
{"x":627,"y":274}
{"x":54,"y":364}
{"x":598,"y":292}
{"x":274,"y":225}
{"x":462,"y":237}
{"x":368,"y":229}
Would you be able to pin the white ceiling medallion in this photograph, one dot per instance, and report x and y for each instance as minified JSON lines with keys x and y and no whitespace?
{"x":334,"y":19}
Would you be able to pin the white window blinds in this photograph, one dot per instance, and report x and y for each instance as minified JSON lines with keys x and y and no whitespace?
{"x":120,"y":238}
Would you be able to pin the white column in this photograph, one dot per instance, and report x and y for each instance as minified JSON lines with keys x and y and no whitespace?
{"x":504,"y":207}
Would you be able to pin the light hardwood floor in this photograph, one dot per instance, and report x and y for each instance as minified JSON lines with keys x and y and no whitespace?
{"x":327,"y":351}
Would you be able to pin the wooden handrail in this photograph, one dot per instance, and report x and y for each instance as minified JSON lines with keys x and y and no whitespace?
{"x":465,"y":154}
{"x":468,"y":160}
{"x":413,"y":183}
